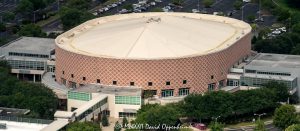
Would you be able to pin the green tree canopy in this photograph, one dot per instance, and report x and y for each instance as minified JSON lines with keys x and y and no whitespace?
{"x":83,"y":126}
{"x":158,"y":115}
{"x":285,"y":116}
{"x":8,"y":16}
{"x":25,"y":7}
{"x":31,"y":30}
{"x":207,"y":3}
{"x":294,"y":127}
{"x":78,"y":4}
{"x":2,"y":27}
{"x":41,"y":101}
{"x":238,"y":4}
{"x":72,"y":17}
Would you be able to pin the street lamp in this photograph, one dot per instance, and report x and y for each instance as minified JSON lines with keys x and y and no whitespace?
{"x":262,"y":114}
{"x":216,"y":118}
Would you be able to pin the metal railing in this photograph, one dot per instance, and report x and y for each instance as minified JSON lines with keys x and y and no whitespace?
{"x":27,"y":120}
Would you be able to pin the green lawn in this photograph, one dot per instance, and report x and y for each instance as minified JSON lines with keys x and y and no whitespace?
{"x":247,"y":123}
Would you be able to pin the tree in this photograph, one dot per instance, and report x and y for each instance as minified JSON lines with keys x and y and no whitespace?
{"x":294,"y":127}
{"x":260,"y":126}
{"x":296,"y":28}
{"x":105,"y":121}
{"x":250,"y":18}
{"x":207,"y":3}
{"x":296,"y":50}
{"x":281,"y":90}
{"x":117,"y":126}
{"x":215,"y":126}
{"x":83,"y":126}
{"x":78,"y":4}
{"x":2,"y":27}
{"x":285,"y":116}
{"x":8,"y":16}
{"x":25,"y":7}
{"x":158,"y":115}
{"x":177,"y":2}
{"x":238,"y":4}
{"x":31,"y":30}
{"x":41,"y":100}
{"x":71,"y":17}
{"x":124,"y":122}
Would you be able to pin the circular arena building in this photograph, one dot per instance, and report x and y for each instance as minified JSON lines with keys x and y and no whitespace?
{"x":167,"y":54}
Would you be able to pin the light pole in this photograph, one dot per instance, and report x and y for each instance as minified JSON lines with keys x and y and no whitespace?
{"x":216,"y":118}
{"x":262,"y":114}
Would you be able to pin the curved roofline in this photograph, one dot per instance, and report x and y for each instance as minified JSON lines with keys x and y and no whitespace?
{"x":64,"y":41}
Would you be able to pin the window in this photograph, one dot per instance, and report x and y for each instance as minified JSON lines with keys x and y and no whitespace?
{"x":131,"y":83}
{"x":79,"y":96}
{"x":149,"y":93}
{"x":98,"y":80}
{"x":212,"y":77}
{"x":83,"y":78}
{"x":167,"y":93}
{"x":72,"y":75}
{"x":150,"y":83}
{"x":114,"y":82}
{"x":232,"y":82}
{"x":168,"y":83}
{"x":129,"y":100}
{"x":127,"y":114}
{"x":211,"y":87}
{"x":184,"y":91}
{"x":63,"y":72}
{"x":184,"y":82}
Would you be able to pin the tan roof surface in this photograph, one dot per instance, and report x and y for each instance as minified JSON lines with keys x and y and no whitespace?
{"x":153,"y":35}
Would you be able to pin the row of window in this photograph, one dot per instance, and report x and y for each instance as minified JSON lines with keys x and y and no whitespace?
{"x":167,"y":93}
{"x":28,"y":55}
{"x":130,"y":83}
{"x":129,"y":100}
{"x":268,"y":73}
{"x":29,"y":65}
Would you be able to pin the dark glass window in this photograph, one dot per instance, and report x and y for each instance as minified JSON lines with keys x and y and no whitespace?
{"x":131,"y":83}
{"x":184,"y":82}
{"x":168,"y":83}
{"x":150,"y":83}
{"x":98,"y":80}
{"x":114,"y":82}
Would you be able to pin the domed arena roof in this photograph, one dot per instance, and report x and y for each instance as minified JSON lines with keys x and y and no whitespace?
{"x":153,"y":35}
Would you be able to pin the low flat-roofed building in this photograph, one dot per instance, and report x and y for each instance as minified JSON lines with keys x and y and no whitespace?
{"x":266,"y":67}
{"x":121,"y":101}
{"x":29,"y":57}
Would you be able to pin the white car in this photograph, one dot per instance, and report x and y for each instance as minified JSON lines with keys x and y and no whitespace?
{"x":158,"y":1}
{"x":153,"y":3}
{"x":246,"y":1}
{"x":195,"y":11}
{"x":114,"y":5}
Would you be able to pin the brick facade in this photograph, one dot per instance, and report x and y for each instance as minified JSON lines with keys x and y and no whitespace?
{"x":196,"y":70}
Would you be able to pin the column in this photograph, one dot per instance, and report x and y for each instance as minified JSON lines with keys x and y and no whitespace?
{"x":33,"y":78}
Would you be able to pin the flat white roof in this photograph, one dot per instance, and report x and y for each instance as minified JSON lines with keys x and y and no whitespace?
{"x":22,"y":126}
{"x":57,"y":124}
{"x":32,"y":44}
{"x":153,"y":35}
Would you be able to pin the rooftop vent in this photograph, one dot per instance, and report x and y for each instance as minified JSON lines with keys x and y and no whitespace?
{"x":151,"y":20}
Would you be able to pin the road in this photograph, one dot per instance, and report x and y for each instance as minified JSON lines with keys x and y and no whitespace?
{"x":269,"y":127}
{"x":224,"y":6}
